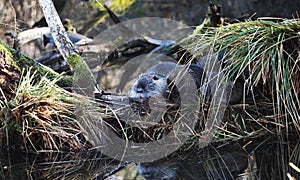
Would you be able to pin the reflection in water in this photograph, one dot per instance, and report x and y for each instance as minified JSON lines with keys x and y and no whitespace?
{"x":208,"y":163}
{"x":263,"y":158}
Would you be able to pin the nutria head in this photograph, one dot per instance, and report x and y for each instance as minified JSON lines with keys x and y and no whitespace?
{"x":148,"y":85}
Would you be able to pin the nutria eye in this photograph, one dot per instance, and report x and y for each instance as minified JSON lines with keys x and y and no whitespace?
{"x":155,"y":78}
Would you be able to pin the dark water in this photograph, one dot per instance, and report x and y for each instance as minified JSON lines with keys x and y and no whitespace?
{"x":263,"y":158}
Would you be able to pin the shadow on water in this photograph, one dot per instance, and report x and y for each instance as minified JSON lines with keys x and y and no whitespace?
{"x":260,"y":158}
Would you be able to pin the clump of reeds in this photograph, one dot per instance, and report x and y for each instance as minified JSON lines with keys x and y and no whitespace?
{"x":43,"y":115}
{"x":265,"y":54}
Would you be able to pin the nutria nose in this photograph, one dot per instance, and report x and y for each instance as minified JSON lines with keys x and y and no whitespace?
{"x":141,"y":86}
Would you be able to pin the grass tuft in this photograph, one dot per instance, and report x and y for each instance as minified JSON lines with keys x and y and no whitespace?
{"x":43,"y":114}
{"x":265,"y":54}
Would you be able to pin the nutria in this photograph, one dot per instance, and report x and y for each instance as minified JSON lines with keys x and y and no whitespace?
{"x":154,"y":83}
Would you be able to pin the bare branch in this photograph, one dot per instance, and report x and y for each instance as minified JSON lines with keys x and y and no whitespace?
{"x":63,"y":43}
{"x":83,"y":76}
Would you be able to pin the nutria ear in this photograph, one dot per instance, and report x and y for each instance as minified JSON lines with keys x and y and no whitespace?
{"x":155,"y":78}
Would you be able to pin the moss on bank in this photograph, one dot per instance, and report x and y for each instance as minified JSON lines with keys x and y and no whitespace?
{"x":22,"y":62}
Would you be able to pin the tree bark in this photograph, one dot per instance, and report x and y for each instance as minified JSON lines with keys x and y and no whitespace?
{"x":9,"y":76}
